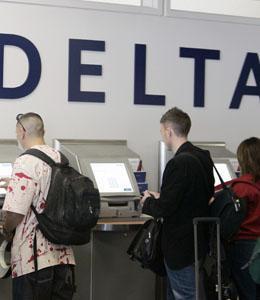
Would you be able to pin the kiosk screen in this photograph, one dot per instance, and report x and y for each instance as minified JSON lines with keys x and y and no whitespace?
{"x":112,"y":177}
{"x":5,"y":169}
{"x":225,"y":173}
{"x":5,"y":172}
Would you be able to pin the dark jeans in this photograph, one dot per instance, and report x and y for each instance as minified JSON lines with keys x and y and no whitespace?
{"x":239,"y":254}
{"x":53,"y":283}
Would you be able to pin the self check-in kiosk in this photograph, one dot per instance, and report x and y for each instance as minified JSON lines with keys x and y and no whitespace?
{"x":108,"y":164}
{"x":224,"y":160}
{"x":116,"y":184}
{"x":104,"y":270}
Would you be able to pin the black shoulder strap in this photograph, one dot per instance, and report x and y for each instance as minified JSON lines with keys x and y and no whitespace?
{"x":44,"y":157}
{"x":48,"y":160}
{"x":63,"y":159}
{"x":201,"y":166}
{"x":224,"y":186}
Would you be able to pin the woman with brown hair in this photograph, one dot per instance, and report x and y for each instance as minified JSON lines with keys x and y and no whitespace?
{"x":247,"y":186}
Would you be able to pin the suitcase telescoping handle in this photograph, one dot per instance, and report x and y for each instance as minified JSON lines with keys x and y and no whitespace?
{"x":196,"y":221}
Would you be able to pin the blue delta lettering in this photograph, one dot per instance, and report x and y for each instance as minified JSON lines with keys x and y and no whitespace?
{"x":76,"y":69}
{"x":34,"y":62}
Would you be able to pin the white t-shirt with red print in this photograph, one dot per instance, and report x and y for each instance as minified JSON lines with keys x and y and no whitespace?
{"x":29,"y":184}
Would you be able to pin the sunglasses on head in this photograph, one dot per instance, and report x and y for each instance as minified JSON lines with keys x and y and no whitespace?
{"x":18,"y":117}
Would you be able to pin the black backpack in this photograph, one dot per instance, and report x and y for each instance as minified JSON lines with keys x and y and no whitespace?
{"x":72,"y":205}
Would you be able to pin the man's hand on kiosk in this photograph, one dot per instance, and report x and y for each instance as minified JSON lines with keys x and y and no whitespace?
{"x":155,"y":195}
{"x":147,"y":194}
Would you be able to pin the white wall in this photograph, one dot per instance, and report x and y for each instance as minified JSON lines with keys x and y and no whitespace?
{"x":50,"y":29}
{"x":245,"y":8}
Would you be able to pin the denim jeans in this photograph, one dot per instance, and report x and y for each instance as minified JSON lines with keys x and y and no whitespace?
{"x":239,"y":254}
{"x":53,"y":283}
{"x":181,"y":283}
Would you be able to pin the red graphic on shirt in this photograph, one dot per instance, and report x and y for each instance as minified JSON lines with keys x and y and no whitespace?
{"x":10,"y":189}
{"x":65,"y":252}
{"x":42,"y":205}
{"x":31,"y":259}
{"x":22,"y":175}
{"x":38,"y":255}
{"x":23,"y":187}
{"x":14,"y":274}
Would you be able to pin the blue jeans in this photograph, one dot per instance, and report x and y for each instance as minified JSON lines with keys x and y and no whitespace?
{"x":239,"y":254}
{"x":53,"y":283}
{"x":181,"y":283}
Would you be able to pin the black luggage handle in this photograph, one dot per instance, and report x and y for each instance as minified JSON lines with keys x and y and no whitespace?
{"x":206,"y":219}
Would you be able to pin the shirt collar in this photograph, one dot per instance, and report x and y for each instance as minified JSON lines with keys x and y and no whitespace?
{"x":184,"y":147}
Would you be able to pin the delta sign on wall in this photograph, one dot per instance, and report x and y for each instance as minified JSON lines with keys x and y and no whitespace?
{"x":76,"y":69}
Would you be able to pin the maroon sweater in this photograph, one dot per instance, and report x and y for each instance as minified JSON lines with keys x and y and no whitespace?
{"x":244,"y":187}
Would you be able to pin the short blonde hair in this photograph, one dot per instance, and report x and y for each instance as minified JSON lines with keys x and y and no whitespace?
{"x":32,"y":123}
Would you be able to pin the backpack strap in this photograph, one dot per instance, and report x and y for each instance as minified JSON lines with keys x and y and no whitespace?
{"x":46,"y":158}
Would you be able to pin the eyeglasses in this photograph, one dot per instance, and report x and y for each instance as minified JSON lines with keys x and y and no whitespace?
{"x":18,"y":117}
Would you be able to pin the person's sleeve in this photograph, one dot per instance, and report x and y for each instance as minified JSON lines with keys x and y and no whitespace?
{"x":21,"y":190}
{"x":174,"y":185}
{"x":243,"y":190}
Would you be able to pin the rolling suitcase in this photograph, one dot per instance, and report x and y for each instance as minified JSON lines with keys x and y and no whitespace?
{"x":216,"y":266}
{"x":218,"y":287}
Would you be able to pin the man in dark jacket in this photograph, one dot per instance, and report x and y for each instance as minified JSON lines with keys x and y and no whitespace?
{"x":187,"y":186}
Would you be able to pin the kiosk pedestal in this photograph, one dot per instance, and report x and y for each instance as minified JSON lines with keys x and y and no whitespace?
{"x":104,"y":270}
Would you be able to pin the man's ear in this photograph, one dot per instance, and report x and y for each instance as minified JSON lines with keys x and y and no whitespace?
{"x":23,"y":134}
{"x":170,"y":132}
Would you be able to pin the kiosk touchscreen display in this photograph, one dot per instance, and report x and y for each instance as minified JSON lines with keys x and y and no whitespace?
{"x":112,"y":177}
{"x":5,"y":172}
{"x":225,"y":173}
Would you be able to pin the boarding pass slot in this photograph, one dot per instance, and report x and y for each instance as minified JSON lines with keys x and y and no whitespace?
{"x":118,"y":204}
